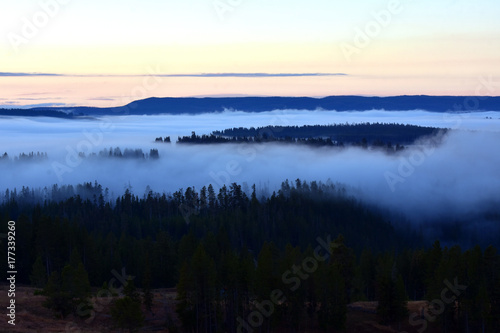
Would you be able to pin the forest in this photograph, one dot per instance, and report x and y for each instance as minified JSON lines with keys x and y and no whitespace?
{"x":291,"y":261}
{"x":117,"y":152}
{"x":390,"y":136}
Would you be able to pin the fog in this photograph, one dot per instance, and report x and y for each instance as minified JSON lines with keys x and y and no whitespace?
{"x":454,"y":177}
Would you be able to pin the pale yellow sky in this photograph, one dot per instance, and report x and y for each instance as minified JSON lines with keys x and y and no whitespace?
{"x":384,"y":47}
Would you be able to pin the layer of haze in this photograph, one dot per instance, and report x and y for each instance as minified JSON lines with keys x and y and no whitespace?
{"x":112,"y":91}
{"x":457,"y":177}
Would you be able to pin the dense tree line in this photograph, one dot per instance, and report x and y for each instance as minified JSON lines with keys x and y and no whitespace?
{"x":208,"y":139}
{"x":345,"y":133}
{"x":23,"y":157}
{"x":392,"y":137}
{"x":265,"y":138}
{"x":54,"y":221}
{"x":127,"y":153}
{"x":292,"y":260}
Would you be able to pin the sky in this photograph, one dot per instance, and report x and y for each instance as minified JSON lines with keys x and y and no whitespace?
{"x":107,"y":53}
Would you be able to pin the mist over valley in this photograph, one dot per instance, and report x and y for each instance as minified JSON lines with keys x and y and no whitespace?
{"x":450,"y":176}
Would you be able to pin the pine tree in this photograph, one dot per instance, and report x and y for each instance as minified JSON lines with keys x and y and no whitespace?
{"x":38,"y":275}
{"x":57,"y":299}
{"x":227,"y":276}
{"x":343,"y":257}
{"x":367,"y":269}
{"x":185,"y":307}
{"x":391,"y":294}
{"x":334,"y":285}
{"x":196,"y":290}
{"x":266,"y":278}
{"x":245,"y":280}
{"x":146,"y":287}
{"x":75,"y":279}
{"x":453,"y":266}
{"x":126,"y":311}
{"x":293,"y":308}
{"x":70,"y":290}
{"x":126,"y":314}
{"x":433,"y":282}
{"x":331,"y":297}
{"x":492,"y":278}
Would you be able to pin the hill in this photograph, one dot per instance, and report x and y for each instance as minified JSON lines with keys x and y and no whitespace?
{"x":191,"y":105}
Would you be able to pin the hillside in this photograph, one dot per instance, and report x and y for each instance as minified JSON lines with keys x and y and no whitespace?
{"x":191,"y":105}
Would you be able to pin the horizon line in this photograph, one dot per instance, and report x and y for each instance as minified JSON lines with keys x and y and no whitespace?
{"x":68,"y":106}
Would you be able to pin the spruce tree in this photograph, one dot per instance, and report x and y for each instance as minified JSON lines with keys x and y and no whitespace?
{"x":146,"y":287}
{"x":70,"y":290}
{"x":391,"y":294}
{"x":332,"y":313}
{"x":38,"y":275}
{"x":57,"y":299}
{"x":196,"y":293}
{"x":126,"y":311}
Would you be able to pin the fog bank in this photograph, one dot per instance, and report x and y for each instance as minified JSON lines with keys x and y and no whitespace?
{"x":460,"y":176}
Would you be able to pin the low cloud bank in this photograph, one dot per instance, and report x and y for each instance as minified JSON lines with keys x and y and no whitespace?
{"x":451,"y":178}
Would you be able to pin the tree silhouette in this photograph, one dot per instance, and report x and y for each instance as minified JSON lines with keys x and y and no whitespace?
{"x":70,"y":290}
{"x":391,"y":294}
{"x":126,"y":311}
{"x":38,"y":275}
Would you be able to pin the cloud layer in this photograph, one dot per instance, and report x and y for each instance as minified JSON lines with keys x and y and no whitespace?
{"x":456,"y":178}
{"x":14,"y":74}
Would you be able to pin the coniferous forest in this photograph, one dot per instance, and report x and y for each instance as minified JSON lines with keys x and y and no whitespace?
{"x":392,"y":137}
{"x":296,"y":260}
{"x":243,"y":166}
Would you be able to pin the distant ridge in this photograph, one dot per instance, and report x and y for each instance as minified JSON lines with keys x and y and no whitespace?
{"x":192,"y":105}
